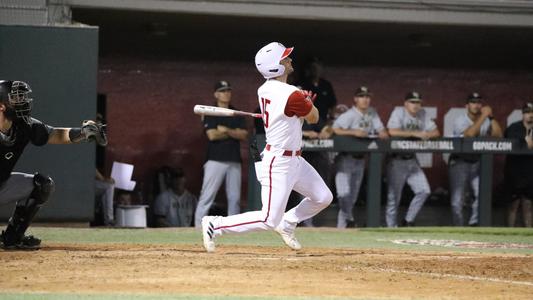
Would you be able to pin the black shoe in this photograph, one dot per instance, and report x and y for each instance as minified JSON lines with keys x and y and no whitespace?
{"x":473,"y":225}
{"x":351,"y":224}
{"x":407,"y":224}
{"x":28,"y":242}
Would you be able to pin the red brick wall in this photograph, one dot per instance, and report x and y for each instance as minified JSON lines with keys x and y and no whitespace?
{"x":149,"y":109}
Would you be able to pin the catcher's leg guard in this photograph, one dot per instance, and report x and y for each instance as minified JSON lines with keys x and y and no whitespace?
{"x":13,"y":236}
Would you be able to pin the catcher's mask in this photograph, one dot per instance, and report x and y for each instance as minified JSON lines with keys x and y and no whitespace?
{"x":17,"y":94}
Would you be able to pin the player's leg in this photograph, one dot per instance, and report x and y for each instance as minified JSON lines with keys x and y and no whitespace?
{"x":458,"y":178}
{"x":396,"y":177}
{"x":473,"y":171}
{"x":343,"y":185}
{"x":35,"y":190}
{"x":275,"y":176}
{"x":317,"y":194}
{"x":106,"y":191}
{"x":527,"y":211}
{"x":213,"y":175}
{"x":357,"y":179}
{"x":233,"y":188}
{"x":419,"y":184}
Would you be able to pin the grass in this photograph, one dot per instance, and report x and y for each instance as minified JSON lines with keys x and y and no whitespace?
{"x":322,"y":237}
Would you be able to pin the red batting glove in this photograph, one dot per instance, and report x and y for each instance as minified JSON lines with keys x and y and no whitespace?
{"x":309,"y":95}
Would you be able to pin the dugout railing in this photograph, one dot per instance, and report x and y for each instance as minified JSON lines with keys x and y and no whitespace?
{"x":377,"y":151}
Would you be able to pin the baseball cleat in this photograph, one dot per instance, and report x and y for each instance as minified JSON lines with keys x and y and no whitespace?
{"x":208,"y":233}
{"x":27,"y":242}
{"x":289,"y":238}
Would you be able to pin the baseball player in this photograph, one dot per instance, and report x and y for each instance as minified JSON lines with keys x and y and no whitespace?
{"x":519,"y":169}
{"x":464,"y":168}
{"x":410,"y":121}
{"x":282,"y":168}
{"x":223,"y":156}
{"x":360,"y":121}
{"x":29,"y":191}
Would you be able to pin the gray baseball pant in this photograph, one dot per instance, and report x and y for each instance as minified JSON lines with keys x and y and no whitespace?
{"x":214,"y":173}
{"x":350,"y":172}
{"x":462,"y":174}
{"x":17,"y":187}
{"x":398,"y":172}
{"x":105,"y":191}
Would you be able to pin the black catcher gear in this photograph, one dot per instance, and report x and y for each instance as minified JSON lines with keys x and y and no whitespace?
{"x":16,"y":95}
{"x":89,"y":131}
{"x":25,"y":210}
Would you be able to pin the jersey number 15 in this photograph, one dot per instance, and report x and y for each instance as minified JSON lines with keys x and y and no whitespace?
{"x":264,"y":103}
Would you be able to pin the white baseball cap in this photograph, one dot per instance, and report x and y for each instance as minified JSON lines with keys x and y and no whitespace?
{"x":267,"y":59}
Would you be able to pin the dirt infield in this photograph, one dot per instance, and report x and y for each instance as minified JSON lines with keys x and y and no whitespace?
{"x":266,"y":271}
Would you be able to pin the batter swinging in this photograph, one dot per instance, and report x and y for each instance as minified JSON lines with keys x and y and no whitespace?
{"x":282,"y":169}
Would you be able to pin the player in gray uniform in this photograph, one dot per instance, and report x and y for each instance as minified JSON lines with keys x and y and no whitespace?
{"x":360,"y":121}
{"x":410,"y":121}
{"x":477,"y":121}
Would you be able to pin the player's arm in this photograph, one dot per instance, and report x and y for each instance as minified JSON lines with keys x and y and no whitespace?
{"x":350,"y":132}
{"x":89,"y":131}
{"x":312,"y":117}
{"x":398,"y":132}
{"x":216,"y":135}
{"x":383,"y":134}
{"x":300,"y":104}
{"x":59,"y":136}
{"x":474,"y":129}
{"x":238,"y":133}
{"x":495,"y":129}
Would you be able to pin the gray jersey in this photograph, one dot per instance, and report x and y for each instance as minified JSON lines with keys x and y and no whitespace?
{"x":461,"y":123}
{"x":177,"y":210}
{"x":355,"y":119}
{"x":401,"y":119}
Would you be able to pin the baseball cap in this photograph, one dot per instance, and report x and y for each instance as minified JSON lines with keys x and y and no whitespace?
{"x":222,"y":85}
{"x":267,"y":59}
{"x":413,"y":97}
{"x":475,"y":97}
{"x":363,"y":91}
{"x":527,"y":108}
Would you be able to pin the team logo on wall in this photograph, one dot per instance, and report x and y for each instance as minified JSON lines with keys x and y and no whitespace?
{"x":9,"y":155}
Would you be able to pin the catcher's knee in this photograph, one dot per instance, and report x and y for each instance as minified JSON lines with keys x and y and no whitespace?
{"x":44,"y":186}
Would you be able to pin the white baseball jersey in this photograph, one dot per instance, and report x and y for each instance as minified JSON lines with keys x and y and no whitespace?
{"x":279,"y":173}
{"x":401,"y":119}
{"x":354,"y":119}
{"x":279,"y":102}
{"x":461,"y":123}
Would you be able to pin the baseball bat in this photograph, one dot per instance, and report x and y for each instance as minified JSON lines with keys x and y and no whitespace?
{"x":222,"y":112}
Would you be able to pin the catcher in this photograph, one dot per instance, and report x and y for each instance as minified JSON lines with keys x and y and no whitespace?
{"x":29,"y":191}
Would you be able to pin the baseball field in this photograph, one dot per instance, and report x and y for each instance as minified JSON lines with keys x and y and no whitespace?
{"x":413,"y":263}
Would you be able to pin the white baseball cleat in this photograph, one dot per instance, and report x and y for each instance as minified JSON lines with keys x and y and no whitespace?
{"x":208,"y":233}
{"x":289,"y":238}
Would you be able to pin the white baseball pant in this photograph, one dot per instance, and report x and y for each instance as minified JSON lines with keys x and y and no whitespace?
{"x":279,"y":175}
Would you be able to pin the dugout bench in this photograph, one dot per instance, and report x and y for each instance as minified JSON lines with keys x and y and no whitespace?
{"x":378,"y":149}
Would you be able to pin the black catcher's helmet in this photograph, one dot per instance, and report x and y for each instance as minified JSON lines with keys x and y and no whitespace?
{"x":15,"y":94}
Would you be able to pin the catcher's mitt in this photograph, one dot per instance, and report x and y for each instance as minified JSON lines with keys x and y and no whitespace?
{"x":93,"y":131}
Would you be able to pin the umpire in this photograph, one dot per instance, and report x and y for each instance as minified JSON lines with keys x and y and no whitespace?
{"x":519,"y":168}
{"x":464,"y":169}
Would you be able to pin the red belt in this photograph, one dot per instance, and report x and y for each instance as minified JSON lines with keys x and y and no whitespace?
{"x":287,"y":152}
